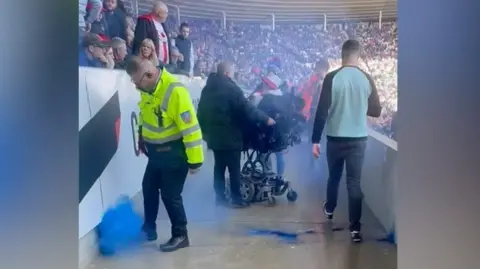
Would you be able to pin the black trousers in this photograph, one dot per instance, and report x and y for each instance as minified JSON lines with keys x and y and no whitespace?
{"x":227,"y":159}
{"x":348,"y":153}
{"x":167,"y":183}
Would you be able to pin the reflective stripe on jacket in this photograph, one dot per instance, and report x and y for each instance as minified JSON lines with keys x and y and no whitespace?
{"x":168,"y":115}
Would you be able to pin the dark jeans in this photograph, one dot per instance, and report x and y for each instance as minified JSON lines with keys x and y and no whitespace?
{"x":349,"y":153}
{"x":227,"y":159}
{"x":168,"y":183}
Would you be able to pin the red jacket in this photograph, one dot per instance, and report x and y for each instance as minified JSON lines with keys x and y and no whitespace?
{"x":309,"y":91}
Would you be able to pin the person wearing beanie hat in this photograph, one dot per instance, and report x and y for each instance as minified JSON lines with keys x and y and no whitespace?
{"x":270,"y":84}
{"x":272,"y":99}
{"x":273,"y":69}
{"x":275,"y":62}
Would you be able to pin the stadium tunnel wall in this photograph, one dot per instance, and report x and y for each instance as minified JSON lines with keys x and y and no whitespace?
{"x":110,"y":166}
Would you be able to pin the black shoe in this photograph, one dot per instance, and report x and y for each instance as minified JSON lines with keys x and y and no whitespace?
{"x":329,"y":215}
{"x":356,"y":236}
{"x":151,"y":234}
{"x":175,"y":243}
{"x":239,"y":204}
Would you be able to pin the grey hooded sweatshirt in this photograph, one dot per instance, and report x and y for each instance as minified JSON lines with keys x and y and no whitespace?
{"x":82,"y":11}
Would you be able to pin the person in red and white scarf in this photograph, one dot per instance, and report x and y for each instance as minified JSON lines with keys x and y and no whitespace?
{"x":270,"y":84}
{"x":152,"y":26}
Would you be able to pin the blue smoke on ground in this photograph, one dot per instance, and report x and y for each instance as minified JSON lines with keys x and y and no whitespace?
{"x":120,"y":228}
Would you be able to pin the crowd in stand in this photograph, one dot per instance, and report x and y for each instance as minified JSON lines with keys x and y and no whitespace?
{"x":251,"y":47}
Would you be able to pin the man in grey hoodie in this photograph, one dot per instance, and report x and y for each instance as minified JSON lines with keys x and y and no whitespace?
{"x":84,"y":24}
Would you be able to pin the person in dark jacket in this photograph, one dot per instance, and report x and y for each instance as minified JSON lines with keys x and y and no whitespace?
{"x":222,"y":112}
{"x":121,"y":6}
{"x":115,"y":20}
{"x":152,"y":26}
{"x":185,"y":47}
{"x":273,"y":102}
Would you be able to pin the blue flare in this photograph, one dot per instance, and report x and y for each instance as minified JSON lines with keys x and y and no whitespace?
{"x":120,"y":228}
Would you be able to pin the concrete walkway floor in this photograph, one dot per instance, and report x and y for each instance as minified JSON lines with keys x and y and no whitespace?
{"x":220,"y":237}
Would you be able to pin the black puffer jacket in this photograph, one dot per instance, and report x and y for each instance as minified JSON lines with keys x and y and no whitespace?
{"x":224,"y":112}
{"x":277,"y":106}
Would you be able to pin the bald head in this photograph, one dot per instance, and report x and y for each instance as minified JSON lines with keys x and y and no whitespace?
{"x":159,"y":5}
{"x":144,"y":73}
{"x":134,"y":65}
{"x":225,"y":68}
{"x":160,"y":10}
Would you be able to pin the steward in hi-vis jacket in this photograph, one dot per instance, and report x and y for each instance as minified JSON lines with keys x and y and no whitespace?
{"x":170,"y":136}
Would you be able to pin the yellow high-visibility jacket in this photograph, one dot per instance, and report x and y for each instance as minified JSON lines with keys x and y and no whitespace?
{"x":168,"y":114}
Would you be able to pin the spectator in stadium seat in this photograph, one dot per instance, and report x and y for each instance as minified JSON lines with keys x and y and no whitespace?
{"x":93,"y":52}
{"x":120,"y":52}
{"x":129,"y":33}
{"x":185,"y":47}
{"x":115,"y":20}
{"x":147,"y":51}
{"x":99,"y":26}
{"x":200,"y":69}
{"x":85,"y":21}
{"x":121,"y":6}
{"x":110,"y":64}
{"x":152,"y":26}
{"x":172,"y":67}
{"x":250,"y":47}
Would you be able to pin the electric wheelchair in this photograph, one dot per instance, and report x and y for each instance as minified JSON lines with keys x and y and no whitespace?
{"x":257,"y":183}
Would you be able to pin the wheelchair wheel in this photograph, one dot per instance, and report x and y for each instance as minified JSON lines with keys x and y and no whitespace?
{"x":271,"y":200}
{"x":247,"y":190}
{"x":292,"y":195}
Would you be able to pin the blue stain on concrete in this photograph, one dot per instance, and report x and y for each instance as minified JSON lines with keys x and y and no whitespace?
{"x":287,"y":237}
